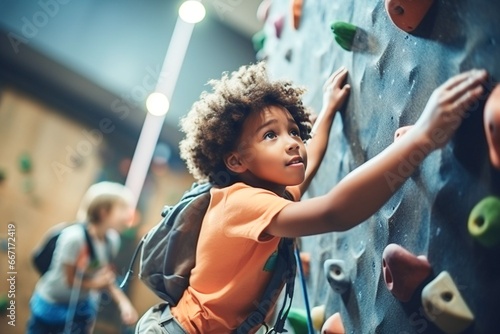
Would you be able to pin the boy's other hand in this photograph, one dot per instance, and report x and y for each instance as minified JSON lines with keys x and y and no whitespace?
{"x":104,"y":277}
{"x":447,"y":106}
{"x":335,"y":90}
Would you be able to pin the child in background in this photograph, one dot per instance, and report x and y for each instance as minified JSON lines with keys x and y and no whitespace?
{"x":247,"y":138}
{"x":105,"y":206}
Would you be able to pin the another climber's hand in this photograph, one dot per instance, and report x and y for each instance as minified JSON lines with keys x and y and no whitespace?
{"x":128,"y":313}
{"x":335,"y":90}
{"x":448,"y":105}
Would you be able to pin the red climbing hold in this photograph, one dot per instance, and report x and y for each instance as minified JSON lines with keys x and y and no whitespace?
{"x":403,"y":271}
{"x":278,"y":26}
{"x":407,"y":14}
{"x":492,"y":126}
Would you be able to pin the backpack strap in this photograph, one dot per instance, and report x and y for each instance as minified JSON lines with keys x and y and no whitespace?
{"x":109,"y":248}
{"x":279,"y":326}
{"x":88,"y":240}
{"x":284,"y":273}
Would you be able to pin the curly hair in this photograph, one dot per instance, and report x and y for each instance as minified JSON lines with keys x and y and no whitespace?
{"x":213,"y":125}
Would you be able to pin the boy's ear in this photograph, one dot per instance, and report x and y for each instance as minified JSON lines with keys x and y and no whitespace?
{"x":234,"y":164}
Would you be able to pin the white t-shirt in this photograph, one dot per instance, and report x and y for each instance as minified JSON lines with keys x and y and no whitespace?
{"x":53,"y":285}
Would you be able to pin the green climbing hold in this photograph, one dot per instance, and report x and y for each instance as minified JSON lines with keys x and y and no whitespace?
{"x":3,"y":174}
{"x":484,"y":221}
{"x":258,"y":40}
{"x":25,"y":163}
{"x":298,"y":321}
{"x":344,"y":34}
{"x":4,"y":303}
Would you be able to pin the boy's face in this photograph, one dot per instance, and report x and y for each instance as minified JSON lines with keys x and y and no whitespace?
{"x":270,"y":149}
{"x":119,"y":216}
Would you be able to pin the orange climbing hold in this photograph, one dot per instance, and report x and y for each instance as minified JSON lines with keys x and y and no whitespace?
{"x":305,"y":257}
{"x":407,"y":14}
{"x":333,"y":325}
{"x":492,"y":126}
{"x":297,"y":12}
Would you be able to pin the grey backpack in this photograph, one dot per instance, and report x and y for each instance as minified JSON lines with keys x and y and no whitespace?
{"x":169,"y":253}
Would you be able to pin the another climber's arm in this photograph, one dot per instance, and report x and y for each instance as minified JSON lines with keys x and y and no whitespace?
{"x":361,"y":193}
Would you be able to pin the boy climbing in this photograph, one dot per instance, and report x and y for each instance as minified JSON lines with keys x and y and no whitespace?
{"x":247,"y":139}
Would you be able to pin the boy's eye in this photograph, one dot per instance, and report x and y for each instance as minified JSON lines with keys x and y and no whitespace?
{"x":269,"y":135}
{"x":295,"y":132}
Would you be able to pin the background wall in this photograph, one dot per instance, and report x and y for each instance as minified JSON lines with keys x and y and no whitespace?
{"x":392,"y":74}
{"x":34,"y":200}
{"x":86,"y":62}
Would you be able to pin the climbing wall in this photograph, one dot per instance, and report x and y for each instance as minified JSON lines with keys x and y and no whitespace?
{"x":393,"y":73}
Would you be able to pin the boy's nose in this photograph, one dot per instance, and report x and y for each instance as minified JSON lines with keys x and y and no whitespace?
{"x":293,"y":145}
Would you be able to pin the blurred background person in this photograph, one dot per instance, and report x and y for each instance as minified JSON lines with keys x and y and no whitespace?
{"x":66,"y":298}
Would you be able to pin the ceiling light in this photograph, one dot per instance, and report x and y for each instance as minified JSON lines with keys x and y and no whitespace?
{"x":192,"y":11}
{"x":157,"y":104}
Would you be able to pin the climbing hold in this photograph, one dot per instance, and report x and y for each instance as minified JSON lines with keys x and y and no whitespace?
{"x":492,"y":126}
{"x":484,"y":221}
{"x":401,"y":131}
{"x":263,"y":10}
{"x":278,"y":26}
{"x":344,"y":34}
{"x":288,"y":55}
{"x":25,"y":164}
{"x":297,"y":12}
{"x":403,"y":271}
{"x":4,"y":303}
{"x":305,"y":258}
{"x":407,"y":14}
{"x":298,"y":321}
{"x":258,"y":40}
{"x":333,"y":325}
{"x":318,"y":316}
{"x":3,"y":175}
{"x":444,"y":305}
{"x":337,"y":275}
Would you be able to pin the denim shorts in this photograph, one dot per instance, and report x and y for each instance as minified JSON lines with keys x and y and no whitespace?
{"x":159,"y":320}
{"x":58,"y":313}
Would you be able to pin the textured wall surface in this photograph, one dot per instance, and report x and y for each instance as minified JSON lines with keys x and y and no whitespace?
{"x":392,"y":74}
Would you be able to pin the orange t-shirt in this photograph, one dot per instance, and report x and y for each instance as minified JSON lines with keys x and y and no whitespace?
{"x":230,"y":273}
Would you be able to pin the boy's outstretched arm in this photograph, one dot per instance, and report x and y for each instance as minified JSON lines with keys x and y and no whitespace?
{"x":335,"y":92}
{"x":361,"y":193}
